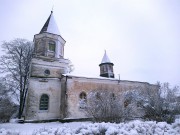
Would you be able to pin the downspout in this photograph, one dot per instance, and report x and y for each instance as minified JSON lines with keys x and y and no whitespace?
{"x":65,"y":98}
{"x":119,"y":79}
{"x":63,"y":104}
{"x":27,"y":92}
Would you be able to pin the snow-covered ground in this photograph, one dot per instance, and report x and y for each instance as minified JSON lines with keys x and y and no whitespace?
{"x":88,"y":128}
{"x":29,"y":128}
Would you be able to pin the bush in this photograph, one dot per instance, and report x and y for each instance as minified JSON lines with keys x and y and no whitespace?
{"x":7,"y":132}
{"x":7,"y":109}
{"x":104,"y":107}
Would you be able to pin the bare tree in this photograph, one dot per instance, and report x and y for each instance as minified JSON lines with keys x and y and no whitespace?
{"x":162,"y":105}
{"x":159,"y":103}
{"x":15,"y":65}
{"x":133,"y":100}
{"x":70,"y":67}
{"x":3,"y":89}
{"x":104,"y":106}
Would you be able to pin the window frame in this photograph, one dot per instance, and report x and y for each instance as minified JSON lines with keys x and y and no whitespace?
{"x":82,"y":100}
{"x":83,"y":95}
{"x":52,"y":44}
{"x":44,"y":105}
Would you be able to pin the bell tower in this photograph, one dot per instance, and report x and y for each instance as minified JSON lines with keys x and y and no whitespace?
{"x":49,"y":51}
{"x":45,"y":89}
{"x":49,"y":43}
{"x":106,"y":67}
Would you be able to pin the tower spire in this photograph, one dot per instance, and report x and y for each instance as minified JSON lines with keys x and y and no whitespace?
{"x":50,"y":26}
{"x":105,"y":58}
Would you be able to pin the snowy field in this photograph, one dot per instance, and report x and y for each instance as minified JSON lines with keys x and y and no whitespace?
{"x":29,"y":128}
{"x":88,"y":128}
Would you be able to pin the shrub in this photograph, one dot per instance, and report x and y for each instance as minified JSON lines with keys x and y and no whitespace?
{"x":7,"y":109}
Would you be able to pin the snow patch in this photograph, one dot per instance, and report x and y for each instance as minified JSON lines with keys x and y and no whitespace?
{"x":78,"y":128}
{"x":52,"y":26}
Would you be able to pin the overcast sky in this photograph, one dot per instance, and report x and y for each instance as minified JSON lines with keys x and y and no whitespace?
{"x":141,"y":37}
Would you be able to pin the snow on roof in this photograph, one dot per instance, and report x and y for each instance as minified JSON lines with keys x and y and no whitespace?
{"x":105,"y":59}
{"x":88,"y":76}
{"x":101,"y":78}
{"x":50,"y":26}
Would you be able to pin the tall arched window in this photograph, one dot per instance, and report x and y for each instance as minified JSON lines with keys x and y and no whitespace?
{"x":44,"y":101}
{"x":52,"y":46}
{"x":98,"y":96}
{"x":126,"y":103}
{"x":113,"y":96}
{"x":82,"y":100}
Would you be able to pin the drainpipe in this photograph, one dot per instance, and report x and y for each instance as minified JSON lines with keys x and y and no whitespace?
{"x":64,"y":98}
{"x":119,"y":78}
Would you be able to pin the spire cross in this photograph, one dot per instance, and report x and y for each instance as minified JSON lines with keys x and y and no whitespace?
{"x":52,"y":6}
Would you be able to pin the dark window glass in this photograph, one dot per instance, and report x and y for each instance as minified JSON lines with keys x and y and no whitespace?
{"x":126,"y":103}
{"x":52,"y":46}
{"x":113,"y":96}
{"x":82,"y":101}
{"x":82,"y":95}
{"x":44,"y":101}
{"x":98,"y":95}
{"x":47,"y":72}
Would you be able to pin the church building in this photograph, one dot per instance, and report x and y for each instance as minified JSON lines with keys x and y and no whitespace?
{"x":55,"y":94}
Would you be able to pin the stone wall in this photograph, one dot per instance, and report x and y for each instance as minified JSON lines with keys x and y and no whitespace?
{"x":41,"y":45}
{"x":56,"y":68}
{"x":76,"y":85}
{"x":37,"y":87}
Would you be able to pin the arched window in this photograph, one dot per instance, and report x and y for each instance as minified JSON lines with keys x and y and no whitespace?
{"x":98,"y":95}
{"x":52,"y":46}
{"x":126,"y":103}
{"x":44,"y":101}
{"x":82,"y":95}
{"x":82,"y":100}
{"x":113,"y":96}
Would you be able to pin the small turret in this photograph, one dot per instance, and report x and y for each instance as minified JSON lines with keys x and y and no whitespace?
{"x":106,"y":67}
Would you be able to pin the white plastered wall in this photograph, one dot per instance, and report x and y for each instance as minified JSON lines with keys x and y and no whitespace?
{"x":37,"y":87}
